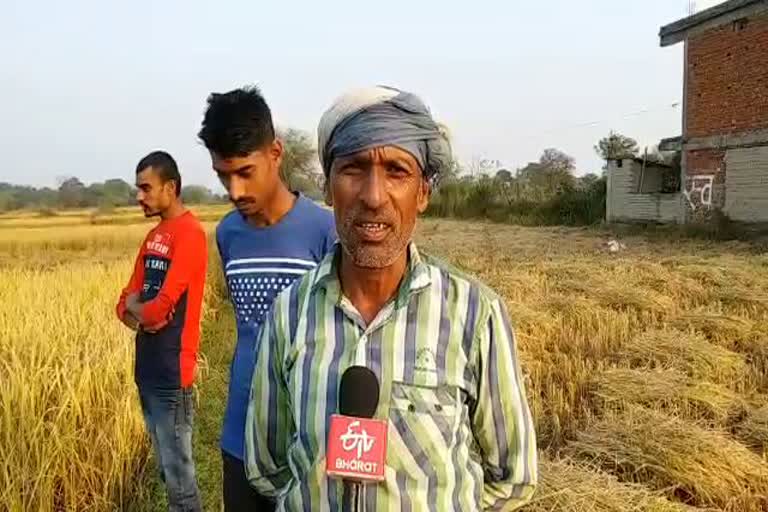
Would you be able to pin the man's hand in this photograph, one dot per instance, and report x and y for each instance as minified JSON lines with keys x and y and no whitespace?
{"x":130,"y":321}
{"x":133,"y":305}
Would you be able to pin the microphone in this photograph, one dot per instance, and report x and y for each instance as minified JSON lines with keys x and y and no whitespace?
{"x":357,"y":443}
{"x":358,"y":392}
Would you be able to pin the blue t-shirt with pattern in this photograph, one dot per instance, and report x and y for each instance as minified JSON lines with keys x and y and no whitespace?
{"x":259,"y":262}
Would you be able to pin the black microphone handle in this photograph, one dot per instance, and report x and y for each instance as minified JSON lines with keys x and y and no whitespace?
{"x":354,"y":489}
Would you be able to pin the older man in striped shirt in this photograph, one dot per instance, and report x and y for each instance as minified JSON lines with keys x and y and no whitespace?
{"x":461,"y":435}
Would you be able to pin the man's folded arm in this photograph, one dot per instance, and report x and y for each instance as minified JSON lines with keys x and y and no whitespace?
{"x":502,"y":420}
{"x":133,"y":287}
{"x":187,"y":264}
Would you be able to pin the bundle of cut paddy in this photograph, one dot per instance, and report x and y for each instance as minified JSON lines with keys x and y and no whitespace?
{"x":697,"y":466}
{"x":670,"y":390}
{"x":566,"y":485}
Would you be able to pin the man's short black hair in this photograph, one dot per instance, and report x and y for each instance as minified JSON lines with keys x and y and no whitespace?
{"x":237,"y":123}
{"x":164,"y":165}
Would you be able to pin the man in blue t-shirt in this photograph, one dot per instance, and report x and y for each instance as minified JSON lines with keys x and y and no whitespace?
{"x":272,"y":238}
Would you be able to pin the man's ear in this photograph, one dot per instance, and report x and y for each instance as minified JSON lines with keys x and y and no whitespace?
{"x":276,"y":152}
{"x":327,"y":191}
{"x":424,"y":193}
{"x":170,"y":187}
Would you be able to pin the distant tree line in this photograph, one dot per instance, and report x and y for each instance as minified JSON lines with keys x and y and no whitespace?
{"x":545,"y":192}
{"x":299,"y":170}
{"x":73,"y":193}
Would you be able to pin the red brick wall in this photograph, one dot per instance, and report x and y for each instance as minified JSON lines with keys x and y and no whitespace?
{"x":705,"y":161}
{"x":728,"y":79}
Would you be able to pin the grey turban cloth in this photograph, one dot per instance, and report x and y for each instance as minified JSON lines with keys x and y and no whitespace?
{"x":384,"y":116}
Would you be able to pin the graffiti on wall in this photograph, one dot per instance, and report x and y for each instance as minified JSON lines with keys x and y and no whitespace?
{"x":698,"y":191}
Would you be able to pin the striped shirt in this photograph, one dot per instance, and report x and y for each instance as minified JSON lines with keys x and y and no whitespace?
{"x":460,"y":430}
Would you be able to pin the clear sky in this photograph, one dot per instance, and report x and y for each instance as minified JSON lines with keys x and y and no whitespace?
{"x":89,"y":87}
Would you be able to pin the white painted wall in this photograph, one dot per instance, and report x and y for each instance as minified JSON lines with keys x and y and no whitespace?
{"x":746,"y":184}
{"x":625,"y":204}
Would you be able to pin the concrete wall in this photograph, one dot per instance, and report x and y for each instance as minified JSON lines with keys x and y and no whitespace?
{"x":704,"y":184}
{"x":625,"y":204}
{"x":746,"y":184}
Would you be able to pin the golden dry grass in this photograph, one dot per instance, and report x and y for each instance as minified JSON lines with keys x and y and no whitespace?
{"x":689,"y":352}
{"x":702,"y":466}
{"x":669,"y":390}
{"x":579,"y":487}
{"x":71,"y":433}
{"x":82,"y":217}
{"x":645,"y":370}
{"x":677,"y":329}
{"x":70,"y":429}
{"x":753,"y":428}
{"x":44,"y":248}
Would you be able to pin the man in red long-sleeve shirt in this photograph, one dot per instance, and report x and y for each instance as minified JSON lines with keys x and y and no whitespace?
{"x":162,"y":303}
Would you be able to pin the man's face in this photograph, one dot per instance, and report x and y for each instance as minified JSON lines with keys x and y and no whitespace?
{"x":376,"y":196}
{"x":153,"y":195}
{"x":250,"y":180}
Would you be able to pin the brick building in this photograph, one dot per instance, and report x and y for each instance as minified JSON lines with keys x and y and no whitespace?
{"x":725,"y":110}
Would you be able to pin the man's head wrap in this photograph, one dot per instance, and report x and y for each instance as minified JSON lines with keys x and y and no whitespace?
{"x":379,"y":116}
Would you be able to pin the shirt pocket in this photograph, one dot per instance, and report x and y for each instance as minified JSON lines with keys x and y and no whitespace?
{"x":424,"y":425}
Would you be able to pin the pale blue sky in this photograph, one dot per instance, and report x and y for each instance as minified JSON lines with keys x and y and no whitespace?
{"x":89,"y":87}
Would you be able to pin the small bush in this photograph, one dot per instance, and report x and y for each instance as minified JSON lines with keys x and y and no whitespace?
{"x":105,"y":209}
{"x":499,"y":201}
{"x":47,"y":212}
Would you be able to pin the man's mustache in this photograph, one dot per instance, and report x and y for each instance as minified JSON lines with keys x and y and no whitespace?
{"x":242,"y":202}
{"x":366,"y":215}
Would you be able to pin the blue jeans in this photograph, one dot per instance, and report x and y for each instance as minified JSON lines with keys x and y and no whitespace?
{"x":168,"y":416}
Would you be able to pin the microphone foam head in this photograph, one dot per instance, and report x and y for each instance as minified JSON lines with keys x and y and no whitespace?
{"x":358,"y":392}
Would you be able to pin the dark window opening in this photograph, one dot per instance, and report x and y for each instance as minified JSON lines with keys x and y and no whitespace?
{"x":659,"y":175}
{"x":740,"y":24}
{"x":670,"y":181}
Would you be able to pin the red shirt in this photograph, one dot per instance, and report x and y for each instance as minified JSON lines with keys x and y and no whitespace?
{"x":169,"y":276}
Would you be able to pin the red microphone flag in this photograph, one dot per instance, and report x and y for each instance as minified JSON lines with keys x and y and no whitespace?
{"x":357,"y":448}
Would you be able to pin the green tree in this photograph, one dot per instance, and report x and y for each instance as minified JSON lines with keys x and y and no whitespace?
{"x":616,"y":146}
{"x":6,"y":200}
{"x":72,"y":193}
{"x":196,"y":194}
{"x":94,"y":195}
{"x":557,"y":161}
{"x":300,"y":169}
{"x":118,"y":192}
{"x":552,"y":173}
{"x":47,"y":197}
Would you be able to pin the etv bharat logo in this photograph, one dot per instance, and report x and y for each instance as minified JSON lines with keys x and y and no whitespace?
{"x":353,"y":440}
{"x":357,"y":448}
